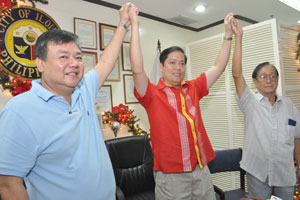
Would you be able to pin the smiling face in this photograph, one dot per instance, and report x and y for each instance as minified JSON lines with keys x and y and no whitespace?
{"x":173,"y":69}
{"x":62,"y":69}
{"x":266,"y":80}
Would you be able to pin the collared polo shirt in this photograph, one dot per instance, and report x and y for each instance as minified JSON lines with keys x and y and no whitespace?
{"x":178,"y":136}
{"x":56,"y":146}
{"x":269,"y":141}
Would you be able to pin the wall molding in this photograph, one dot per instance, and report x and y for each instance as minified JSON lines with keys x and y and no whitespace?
{"x":117,"y":7}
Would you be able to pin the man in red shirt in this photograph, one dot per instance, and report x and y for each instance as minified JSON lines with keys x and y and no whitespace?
{"x":180,"y":144}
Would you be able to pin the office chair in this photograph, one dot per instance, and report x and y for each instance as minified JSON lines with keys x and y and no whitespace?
{"x":132,"y":161}
{"x":228,"y":161}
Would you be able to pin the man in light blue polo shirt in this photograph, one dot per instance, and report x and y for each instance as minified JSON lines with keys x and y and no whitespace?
{"x":50,"y":135}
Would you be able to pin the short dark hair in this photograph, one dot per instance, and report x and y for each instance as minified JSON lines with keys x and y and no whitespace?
{"x":57,"y":37}
{"x":163,"y":56}
{"x":260,"y":66}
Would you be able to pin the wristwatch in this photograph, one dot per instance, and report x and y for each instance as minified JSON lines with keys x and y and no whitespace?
{"x":124,"y":26}
{"x":227,"y":38}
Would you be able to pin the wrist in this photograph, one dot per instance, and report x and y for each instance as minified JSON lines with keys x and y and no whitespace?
{"x":124,"y":25}
{"x":227,"y":38}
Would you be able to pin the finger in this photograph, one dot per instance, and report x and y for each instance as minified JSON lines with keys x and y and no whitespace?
{"x":228,"y":16}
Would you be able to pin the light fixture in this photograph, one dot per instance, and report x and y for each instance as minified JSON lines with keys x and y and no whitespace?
{"x":200,"y":8}
{"x":298,"y":21}
{"x":292,"y":3}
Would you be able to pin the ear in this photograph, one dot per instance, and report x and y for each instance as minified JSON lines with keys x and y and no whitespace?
{"x":161,"y":67}
{"x":254,"y":81}
{"x":40,"y":64}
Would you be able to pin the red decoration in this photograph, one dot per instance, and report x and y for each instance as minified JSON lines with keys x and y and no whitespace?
{"x":21,"y":86}
{"x":123,"y":115}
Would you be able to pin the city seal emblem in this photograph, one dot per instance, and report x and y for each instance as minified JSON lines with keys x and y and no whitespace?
{"x":19,"y":30}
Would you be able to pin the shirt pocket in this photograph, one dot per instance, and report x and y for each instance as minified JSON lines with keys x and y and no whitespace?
{"x":288,"y":135}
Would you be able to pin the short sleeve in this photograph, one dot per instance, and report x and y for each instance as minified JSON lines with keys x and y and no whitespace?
{"x":201,"y":85}
{"x":145,"y":100}
{"x":247,"y":101}
{"x":18,"y":147}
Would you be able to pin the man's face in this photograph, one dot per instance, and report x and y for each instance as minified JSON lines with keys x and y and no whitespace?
{"x":63,"y":68}
{"x":267,"y":80}
{"x":173,"y":70}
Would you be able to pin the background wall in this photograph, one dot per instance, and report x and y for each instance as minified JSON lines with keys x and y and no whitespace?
{"x":150,"y":31}
{"x":64,"y":11}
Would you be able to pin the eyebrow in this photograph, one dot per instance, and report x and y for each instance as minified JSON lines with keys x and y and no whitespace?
{"x":68,"y":52}
{"x":172,"y":59}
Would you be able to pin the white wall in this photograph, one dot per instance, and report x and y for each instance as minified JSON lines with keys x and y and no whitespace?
{"x":216,"y":30}
{"x":64,"y":11}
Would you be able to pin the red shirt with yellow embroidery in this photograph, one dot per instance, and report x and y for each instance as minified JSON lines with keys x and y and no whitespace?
{"x":178,"y":136}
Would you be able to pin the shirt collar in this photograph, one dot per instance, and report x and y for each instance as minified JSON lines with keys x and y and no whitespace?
{"x":260,"y":97}
{"x":40,"y":91}
{"x":45,"y":94}
{"x":161,"y":84}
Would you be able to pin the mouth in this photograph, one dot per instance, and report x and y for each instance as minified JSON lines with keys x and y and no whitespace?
{"x":177,"y":74}
{"x":71,"y":73}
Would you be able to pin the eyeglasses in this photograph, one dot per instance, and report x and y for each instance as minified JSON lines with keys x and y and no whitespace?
{"x":272,"y":77}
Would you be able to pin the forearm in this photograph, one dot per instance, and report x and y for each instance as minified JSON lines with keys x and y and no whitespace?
{"x":12,"y":188}
{"x":13,"y":194}
{"x":136,"y":57}
{"x":223,"y":56}
{"x":136,"y":61}
{"x":110,"y":55}
{"x":214,"y":72}
{"x":237,"y":58}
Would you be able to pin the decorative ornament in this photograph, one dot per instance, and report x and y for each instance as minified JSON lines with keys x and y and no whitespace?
{"x":16,"y":85}
{"x":115,"y":127}
{"x":123,"y":115}
{"x":19,"y":2}
{"x":297,"y":192}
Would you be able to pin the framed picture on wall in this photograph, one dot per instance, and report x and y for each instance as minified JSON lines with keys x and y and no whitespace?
{"x":89,"y":60}
{"x":104,"y":102}
{"x":125,"y":57}
{"x":115,"y":73}
{"x":87,"y":32}
{"x":128,"y":89}
{"x":106,"y":34}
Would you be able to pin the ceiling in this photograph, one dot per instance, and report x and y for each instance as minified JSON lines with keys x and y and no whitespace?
{"x":181,"y":12}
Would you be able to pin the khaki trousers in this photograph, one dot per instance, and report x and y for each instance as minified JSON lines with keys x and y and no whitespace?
{"x":195,"y":185}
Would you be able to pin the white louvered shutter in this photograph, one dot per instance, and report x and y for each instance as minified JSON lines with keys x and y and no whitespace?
{"x":290,"y":76}
{"x":222,"y":117}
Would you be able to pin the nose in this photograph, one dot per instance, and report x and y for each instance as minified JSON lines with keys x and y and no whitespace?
{"x":73,"y":62}
{"x":268,"y":79}
{"x":177,"y":66}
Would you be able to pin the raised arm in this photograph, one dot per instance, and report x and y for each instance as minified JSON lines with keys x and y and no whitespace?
{"x":214,"y":72}
{"x":237,"y":71}
{"x":11,"y":187}
{"x":112,"y":50}
{"x":136,"y":58}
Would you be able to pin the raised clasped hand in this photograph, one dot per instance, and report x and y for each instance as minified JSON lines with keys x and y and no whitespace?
{"x":227,"y":22}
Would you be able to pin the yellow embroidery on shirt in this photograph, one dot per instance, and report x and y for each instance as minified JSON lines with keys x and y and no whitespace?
{"x":183,"y":107}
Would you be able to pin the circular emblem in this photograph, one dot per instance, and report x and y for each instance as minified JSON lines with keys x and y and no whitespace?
{"x":20,"y":29}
